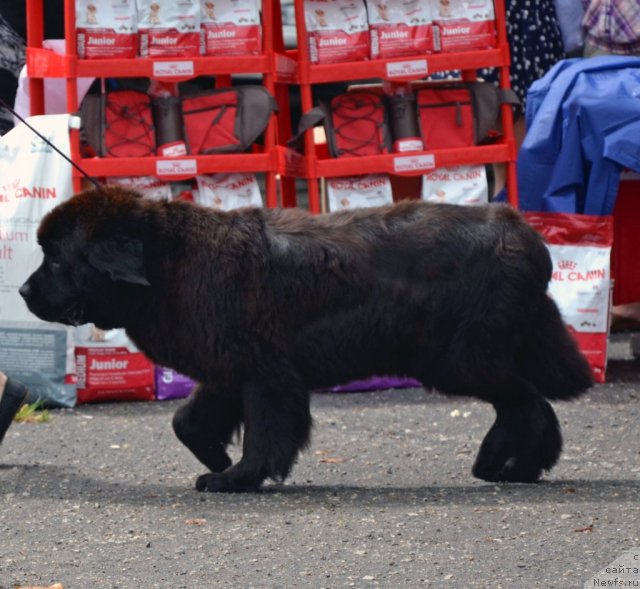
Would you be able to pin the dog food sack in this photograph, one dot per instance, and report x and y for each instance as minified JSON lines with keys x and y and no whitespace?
{"x":227,"y":191}
{"x":338,"y":30}
{"x":231,"y":27}
{"x":33,"y":180}
{"x":400,"y":27}
{"x":461,"y":185}
{"x":106,"y":29}
{"x":169,"y":28}
{"x":373,"y":190}
{"x":580,"y":247}
{"x":149,"y":186}
{"x":110,"y":368}
{"x":465,"y":25}
{"x":172,"y":385}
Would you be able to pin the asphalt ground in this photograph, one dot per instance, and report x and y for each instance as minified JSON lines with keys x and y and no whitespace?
{"x":102,"y":496}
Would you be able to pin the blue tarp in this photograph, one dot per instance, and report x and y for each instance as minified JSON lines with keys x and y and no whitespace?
{"x":583,"y":128}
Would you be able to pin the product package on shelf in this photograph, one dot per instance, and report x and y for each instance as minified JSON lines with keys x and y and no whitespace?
{"x":465,"y":25}
{"x":461,"y":185}
{"x":106,"y":29}
{"x":231,"y":27}
{"x":148,"y":186}
{"x":338,"y":30}
{"x":228,"y":191}
{"x":403,"y":118}
{"x":110,"y":368}
{"x":580,"y":247}
{"x":400,"y":27}
{"x":169,"y":29}
{"x":372,"y":190}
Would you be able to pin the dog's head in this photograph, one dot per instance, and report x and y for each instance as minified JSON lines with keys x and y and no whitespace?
{"x":94,"y":268}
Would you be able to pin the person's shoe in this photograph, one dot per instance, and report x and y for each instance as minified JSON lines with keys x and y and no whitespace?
{"x":11,"y":399}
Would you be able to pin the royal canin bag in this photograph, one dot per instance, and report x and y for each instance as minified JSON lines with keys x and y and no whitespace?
{"x":460,"y":114}
{"x":126,"y":123}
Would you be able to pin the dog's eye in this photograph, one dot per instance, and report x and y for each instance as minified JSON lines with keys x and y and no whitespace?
{"x":55,"y":266}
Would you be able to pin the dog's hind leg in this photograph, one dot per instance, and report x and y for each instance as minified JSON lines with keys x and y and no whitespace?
{"x":206,"y":423}
{"x":277,"y":424}
{"x":524,"y":440}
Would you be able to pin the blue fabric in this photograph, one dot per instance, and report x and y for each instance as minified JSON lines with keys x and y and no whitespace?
{"x":583,"y":128}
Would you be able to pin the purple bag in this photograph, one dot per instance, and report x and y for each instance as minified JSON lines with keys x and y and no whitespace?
{"x":376,"y":383}
{"x":172,"y":385}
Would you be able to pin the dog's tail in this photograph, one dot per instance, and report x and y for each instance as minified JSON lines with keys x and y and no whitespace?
{"x":552,"y":360}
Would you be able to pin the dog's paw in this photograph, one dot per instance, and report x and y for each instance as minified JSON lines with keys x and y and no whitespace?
{"x":509,"y":470}
{"x":224,"y":483}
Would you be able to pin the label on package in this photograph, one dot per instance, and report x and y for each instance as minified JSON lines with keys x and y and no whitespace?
{"x":106,"y":29}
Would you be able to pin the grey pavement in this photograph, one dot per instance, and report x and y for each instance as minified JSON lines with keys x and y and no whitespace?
{"x":102,"y":497}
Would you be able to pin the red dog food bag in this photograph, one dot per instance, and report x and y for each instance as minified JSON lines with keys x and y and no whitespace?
{"x":227,"y":191}
{"x":400,"y":27}
{"x":465,"y":24}
{"x":231,"y":27}
{"x":106,"y":29}
{"x":372,"y":190}
{"x":338,"y":30}
{"x":110,"y":368}
{"x":169,"y":28}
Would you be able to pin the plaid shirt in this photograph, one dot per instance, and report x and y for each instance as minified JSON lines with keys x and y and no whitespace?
{"x":613,"y":25}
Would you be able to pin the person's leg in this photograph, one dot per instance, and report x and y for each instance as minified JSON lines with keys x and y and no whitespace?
{"x":12,"y":396}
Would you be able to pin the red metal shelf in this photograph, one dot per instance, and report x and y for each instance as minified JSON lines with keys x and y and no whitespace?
{"x":405,"y":68}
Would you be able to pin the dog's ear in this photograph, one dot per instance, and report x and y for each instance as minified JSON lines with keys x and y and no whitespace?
{"x":122,"y":257}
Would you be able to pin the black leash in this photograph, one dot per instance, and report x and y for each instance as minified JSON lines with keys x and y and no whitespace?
{"x":74,"y":164}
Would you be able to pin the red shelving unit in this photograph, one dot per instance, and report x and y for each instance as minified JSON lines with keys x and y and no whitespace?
{"x":318,"y":164}
{"x":275,"y":69}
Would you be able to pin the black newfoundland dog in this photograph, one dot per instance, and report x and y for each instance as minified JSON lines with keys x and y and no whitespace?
{"x":262,"y":306}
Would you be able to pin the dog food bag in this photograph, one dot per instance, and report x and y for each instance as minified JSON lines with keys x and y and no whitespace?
{"x":33,"y":180}
{"x":231,"y":27}
{"x":149,"y":186}
{"x":169,"y":28}
{"x":373,"y":190}
{"x":400,"y":27}
{"x":465,"y":25}
{"x":338,"y":30}
{"x":461,"y":185}
{"x":110,"y":368}
{"x":227,"y":191}
{"x":580,"y":247}
{"x":106,"y":29}
{"x":172,"y":385}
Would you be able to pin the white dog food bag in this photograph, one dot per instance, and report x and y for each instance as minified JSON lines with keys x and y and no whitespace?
{"x":400,"y":27}
{"x":33,"y":180}
{"x":580,"y":248}
{"x":231,"y":27}
{"x":465,"y":24}
{"x":351,"y":192}
{"x":462,"y":185}
{"x":106,"y":29}
{"x":227,"y":191}
{"x":149,"y":186}
{"x":338,"y":30}
{"x":169,"y":28}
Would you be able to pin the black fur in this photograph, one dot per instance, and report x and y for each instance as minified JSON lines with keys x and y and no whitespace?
{"x":262,"y":306}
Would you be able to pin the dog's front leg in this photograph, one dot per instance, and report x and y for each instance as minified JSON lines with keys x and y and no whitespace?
{"x":206,"y":423}
{"x":277,"y":423}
